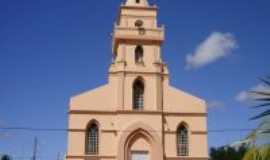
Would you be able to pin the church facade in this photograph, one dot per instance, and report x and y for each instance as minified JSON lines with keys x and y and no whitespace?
{"x":138,"y":115}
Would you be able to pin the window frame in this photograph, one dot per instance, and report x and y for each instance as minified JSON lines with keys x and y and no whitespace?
{"x":138,"y":99}
{"x":88,"y":145}
{"x":182,"y":140}
{"x":139,"y":54}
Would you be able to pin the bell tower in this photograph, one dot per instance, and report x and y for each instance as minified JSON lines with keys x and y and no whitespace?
{"x":136,"y":47}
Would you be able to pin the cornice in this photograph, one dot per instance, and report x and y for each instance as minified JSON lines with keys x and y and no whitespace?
{"x":137,"y":72}
{"x":187,"y":158}
{"x":113,"y":157}
{"x":117,"y":112}
{"x":151,"y":8}
{"x":137,"y":16}
{"x":192,"y":132}
{"x":90,"y":156}
{"x":115,"y":131}
{"x":137,"y":38}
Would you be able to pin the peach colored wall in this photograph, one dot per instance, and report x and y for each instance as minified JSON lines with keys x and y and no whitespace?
{"x":179,"y":101}
{"x":126,"y":53}
{"x":196,"y":124}
{"x":76,"y":143}
{"x":108,"y":124}
{"x":96,"y":99}
{"x":140,"y":145}
{"x":113,"y":126}
{"x":150,"y":91}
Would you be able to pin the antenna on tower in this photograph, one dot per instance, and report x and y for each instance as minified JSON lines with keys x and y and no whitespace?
{"x":35,"y":149}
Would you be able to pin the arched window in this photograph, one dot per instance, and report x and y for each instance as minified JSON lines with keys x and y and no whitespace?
{"x":138,"y":95}
{"x":139,"y":54}
{"x":92,"y":139}
{"x":182,"y":141}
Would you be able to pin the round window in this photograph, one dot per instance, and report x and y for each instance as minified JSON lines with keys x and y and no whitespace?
{"x":139,"y":23}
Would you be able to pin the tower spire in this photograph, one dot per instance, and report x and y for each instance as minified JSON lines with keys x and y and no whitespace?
{"x":139,"y":3}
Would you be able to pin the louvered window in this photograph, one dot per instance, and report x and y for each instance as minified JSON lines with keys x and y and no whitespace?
{"x":139,"y":54}
{"x":138,"y":95}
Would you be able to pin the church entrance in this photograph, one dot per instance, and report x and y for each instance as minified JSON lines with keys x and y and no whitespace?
{"x":139,"y":155}
{"x":139,"y":143}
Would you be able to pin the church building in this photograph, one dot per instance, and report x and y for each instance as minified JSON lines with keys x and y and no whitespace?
{"x":137,"y":115}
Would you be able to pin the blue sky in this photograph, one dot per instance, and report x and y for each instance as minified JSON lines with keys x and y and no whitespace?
{"x":49,"y":50}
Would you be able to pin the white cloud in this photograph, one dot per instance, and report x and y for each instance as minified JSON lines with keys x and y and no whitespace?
{"x":247,"y":96}
{"x":215,"y":47}
{"x":243,"y":96}
{"x":215,"y":104}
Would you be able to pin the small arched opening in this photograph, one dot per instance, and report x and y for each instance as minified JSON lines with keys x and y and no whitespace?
{"x":138,"y":94}
{"x":139,"y":54}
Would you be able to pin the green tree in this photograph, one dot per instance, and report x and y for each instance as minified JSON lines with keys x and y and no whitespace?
{"x":227,"y":153}
{"x":265,"y":152}
{"x":262,"y":153}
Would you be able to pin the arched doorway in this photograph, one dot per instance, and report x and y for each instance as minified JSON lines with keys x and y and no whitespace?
{"x":140,"y":142}
{"x":139,"y":146}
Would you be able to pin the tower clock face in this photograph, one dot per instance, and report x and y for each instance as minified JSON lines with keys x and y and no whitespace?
{"x":139,"y":23}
